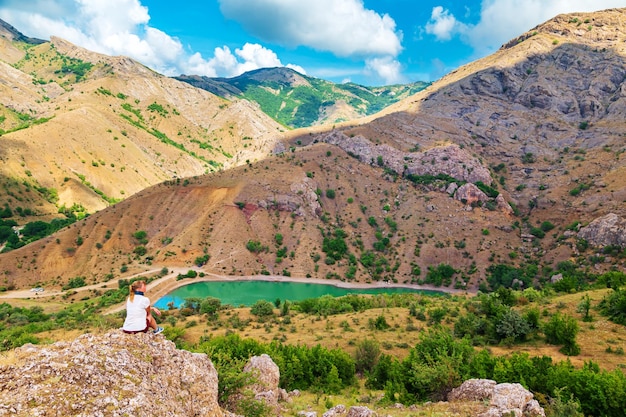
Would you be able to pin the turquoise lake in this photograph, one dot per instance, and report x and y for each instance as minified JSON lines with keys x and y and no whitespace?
{"x":247,"y":293}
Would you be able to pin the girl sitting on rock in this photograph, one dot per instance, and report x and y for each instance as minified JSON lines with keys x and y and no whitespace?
{"x":138,"y":309}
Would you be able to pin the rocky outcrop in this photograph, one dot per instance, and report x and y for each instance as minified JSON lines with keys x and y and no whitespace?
{"x":113,"y":374}
{"x":605,"y":231}
{"x":447,"y":159}
{"x":340,"y":410}
{"x":302,"y":200}
{"x":504,"y":399}
{"x":360,"y":411}
{"x":503,"y":205}
{"x":266,"y":376}
{"x":336,"y":411}
{"x":470,"y":194}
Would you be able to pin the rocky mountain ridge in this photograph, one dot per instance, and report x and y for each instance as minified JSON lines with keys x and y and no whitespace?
{"x":537,"y":170}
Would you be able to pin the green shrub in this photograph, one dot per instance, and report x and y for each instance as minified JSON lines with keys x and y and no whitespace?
{"x":75,"y":282}
{"x":613,"y":305}
{"x":366,"y":355}
{"x":440,"y":275}
{"x":255,"y":246}
{"x":562,"y":330}
{"x":262,"y":308}
{"x":202,"y":260}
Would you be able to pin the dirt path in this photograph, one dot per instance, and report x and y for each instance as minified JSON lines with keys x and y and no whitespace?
{"x":168,"y":283}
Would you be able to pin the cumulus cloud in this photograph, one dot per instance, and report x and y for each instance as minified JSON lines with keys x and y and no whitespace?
{"x":344,"y":28}
{"x":225,"y":63}
{"x":98,"y":26}
{"x":386,"y":68}
{"x":443,"y":24}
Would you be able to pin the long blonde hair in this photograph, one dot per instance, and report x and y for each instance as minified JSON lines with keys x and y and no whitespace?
{"x":133,"y":287}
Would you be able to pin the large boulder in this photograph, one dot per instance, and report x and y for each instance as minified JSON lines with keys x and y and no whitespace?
{"x":504,"y":399}
{"x":336,"y":411}
{"x":473,"y":390}
{"x":112,"y":374}
{"x":360,"y":411}
{"x":604,"y":231}
{"x":266,"y":377}
{"x":470,"y":194}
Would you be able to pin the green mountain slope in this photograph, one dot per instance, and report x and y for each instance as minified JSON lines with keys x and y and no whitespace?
{"x":296,"y":100}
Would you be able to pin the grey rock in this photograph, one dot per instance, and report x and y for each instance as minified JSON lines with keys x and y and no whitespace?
{"x":139,"y":374}
{"x":504,"y":399}
{"x":449,"y":159}
{"x":267,"y":376}
{"x":556,"y":278}
{"x":337,"y":410}
{"x":469,"y":194}
{"x":360,"y":411}
{"x":605,"y":230}
{"x":473,"y":390}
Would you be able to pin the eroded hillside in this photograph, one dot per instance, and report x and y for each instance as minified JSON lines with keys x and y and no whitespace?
{"x":80,"y":128}
{"x":500,"y":164}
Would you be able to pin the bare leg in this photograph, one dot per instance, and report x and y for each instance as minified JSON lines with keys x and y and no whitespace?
{"x":152,"y":322}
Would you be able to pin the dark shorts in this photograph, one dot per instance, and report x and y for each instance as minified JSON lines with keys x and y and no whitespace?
{"x":138,"y":331}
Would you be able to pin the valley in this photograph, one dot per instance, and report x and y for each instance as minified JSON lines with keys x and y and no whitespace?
{"x":501,"y":184}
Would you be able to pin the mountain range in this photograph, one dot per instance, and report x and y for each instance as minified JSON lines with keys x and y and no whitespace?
{"x":503,"y":163}
{"x":296,"y":100}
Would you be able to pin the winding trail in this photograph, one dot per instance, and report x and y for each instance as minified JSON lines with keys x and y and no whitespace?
{"x":168,"y":283}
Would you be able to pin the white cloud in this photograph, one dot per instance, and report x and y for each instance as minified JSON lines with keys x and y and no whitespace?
{"x":386,"y":68}
{"x":226,"y":64}
{"x":99,"y":26}
{"x":344,"y":28}
{"x":296,"y":68}
{"x":443,"y":24}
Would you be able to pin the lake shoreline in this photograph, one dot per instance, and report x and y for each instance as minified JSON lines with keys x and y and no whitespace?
{"x":169,"y":282}
{"x":238,"y":292}
{"x":158,"y":290}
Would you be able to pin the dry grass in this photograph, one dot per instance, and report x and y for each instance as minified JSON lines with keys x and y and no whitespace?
{"x":363,"y":397}
{"x":345,"y":331}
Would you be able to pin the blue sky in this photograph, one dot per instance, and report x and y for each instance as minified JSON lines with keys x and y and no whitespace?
{"x":370,"y":42}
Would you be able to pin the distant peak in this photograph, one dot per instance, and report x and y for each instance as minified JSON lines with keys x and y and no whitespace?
{"x":10,"y":32}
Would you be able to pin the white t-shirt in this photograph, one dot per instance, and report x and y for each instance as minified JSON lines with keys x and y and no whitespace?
{"x":136,"y":313}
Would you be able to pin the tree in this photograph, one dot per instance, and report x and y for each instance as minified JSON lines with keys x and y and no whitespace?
{"x":441,"y":274}
{"x":562,"y":330}
{"x":366,"y":355}
{"x":437,"y":364}
{"x":584,"y":306}
{"x":262,"y":308}
{"x":560,"y":408}
{"x":335,"y":247}
{"x":614,"y":306}
{"x":141,"y":236}
{"x":380,"y":323}
{"x":210,"y":306}
{"x":36,"y":229}
{"x":512,"y":327}
{"x":202,"y":260}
